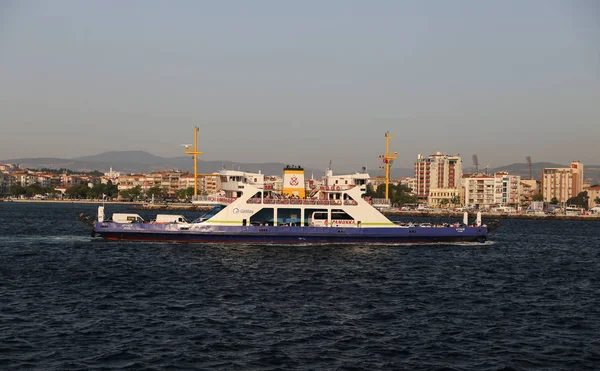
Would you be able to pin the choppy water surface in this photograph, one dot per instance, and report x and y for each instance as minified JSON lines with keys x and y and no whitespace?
{"x":527,"y":299}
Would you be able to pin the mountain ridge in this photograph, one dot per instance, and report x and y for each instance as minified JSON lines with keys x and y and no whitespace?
{"x":137,"y":161}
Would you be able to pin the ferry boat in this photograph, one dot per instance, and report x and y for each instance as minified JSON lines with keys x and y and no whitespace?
{"x":334,"y":210}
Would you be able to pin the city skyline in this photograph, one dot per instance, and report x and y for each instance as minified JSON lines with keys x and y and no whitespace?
{"x":302,"y":83}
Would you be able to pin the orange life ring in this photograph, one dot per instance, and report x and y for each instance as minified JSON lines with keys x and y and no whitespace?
{"x":337,"y":188}
{"x":211,"y":199}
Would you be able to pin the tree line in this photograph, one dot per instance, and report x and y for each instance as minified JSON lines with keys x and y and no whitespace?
{"x":97,"y":191}
{"x":398,"y":194}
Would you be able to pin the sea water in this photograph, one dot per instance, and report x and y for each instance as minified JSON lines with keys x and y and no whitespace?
{"x":528,"y":298}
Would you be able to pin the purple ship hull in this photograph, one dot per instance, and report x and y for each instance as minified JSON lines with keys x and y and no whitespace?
{"x":286,"y":234}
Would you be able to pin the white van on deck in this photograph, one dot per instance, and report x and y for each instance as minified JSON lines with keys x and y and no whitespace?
{"x":167,"y":218}
{"x":127,"y":218}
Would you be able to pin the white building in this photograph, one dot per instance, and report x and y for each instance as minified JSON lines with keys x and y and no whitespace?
{"x":507,"y":189}
{"x":479,"y":191}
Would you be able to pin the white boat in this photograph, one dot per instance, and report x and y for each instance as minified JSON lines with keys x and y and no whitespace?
{"x":334,"y":211}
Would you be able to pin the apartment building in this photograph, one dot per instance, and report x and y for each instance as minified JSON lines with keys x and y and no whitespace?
{"x":507,"y":189}
{"x":23,"y":178}
{"x":438,"y":171}
{"x":562,"y":183}
{"x":593,"y":194}
{"x":529,"y":189}
{"x":479,"y":191}
{"x":207,"y":183}
{"x":131,"y":181}
{"x":6,"y":181}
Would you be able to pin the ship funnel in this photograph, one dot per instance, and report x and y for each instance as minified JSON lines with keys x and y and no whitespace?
{"x":478,"y":221}
{"x":100,"y":214}
{"x":293,"y":181}
{"x":466,"y":218}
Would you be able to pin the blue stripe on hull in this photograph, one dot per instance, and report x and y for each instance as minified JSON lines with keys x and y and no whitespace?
{"x":294,"y":235}
{"x":284,"y":239}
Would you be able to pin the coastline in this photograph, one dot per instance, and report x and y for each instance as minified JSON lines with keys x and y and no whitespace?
{"x":100,"y":202}
{"x":393,"y":212}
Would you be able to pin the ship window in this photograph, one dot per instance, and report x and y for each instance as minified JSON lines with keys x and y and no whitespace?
{"x":320,"y":215}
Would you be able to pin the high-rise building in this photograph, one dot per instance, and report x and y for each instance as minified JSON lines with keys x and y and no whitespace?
{"x":438,"y":171}
{"x":562,"y":183}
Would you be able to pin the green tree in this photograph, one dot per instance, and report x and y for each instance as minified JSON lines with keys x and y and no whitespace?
{"x":16,"y":190}
{"x":539,"y":197}
{"x":78,"y":191}
{"x":111,"y":190}
{"x":554,"y":201}
{"x":34,"y":189}
{"x":181,"y":193}
{"x":455,"y":200}
{"x":133,"y":193}
{"x":189,"y":192}
{"x":158,"y":192}
{"x":97,"y":191}
{"x":581,"y":200}
{"x":369,"y":192}
{"x":597,"y":200}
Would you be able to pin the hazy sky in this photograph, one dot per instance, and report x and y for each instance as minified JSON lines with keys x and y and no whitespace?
{"x":302,"y":82}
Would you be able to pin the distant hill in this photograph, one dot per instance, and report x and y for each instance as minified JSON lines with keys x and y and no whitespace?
{"x":137,"y":157}
{"x":144,"y":162}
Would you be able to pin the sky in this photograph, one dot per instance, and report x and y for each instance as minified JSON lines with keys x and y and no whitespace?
{"x":302,"y":82}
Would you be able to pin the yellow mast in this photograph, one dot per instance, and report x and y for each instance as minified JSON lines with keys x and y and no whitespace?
{"x":388,"y":158}
{"x":194,"y":152}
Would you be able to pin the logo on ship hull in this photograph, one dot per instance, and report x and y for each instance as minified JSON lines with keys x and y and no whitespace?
{"x":242,"y":211}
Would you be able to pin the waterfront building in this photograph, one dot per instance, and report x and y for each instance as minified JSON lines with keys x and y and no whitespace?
{"x":529,"y":188}
{"x":479,"y":191}
{"x":438,"y":171}
{"x":506,"y":189}
{"x":593,"y":193}
{"x":131,"y":181}
{"x":23,"y":178}
{"x":562,"y":183}
{"x":6,"y":180}
{"x":71,"y":180}
{"x":44,"y":180}
{"x":446,"y":197}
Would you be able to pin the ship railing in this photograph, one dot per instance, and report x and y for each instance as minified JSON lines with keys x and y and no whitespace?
{"x":209,"y":199}
{"x":380,"y":201}
{"x":299,"y":201}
